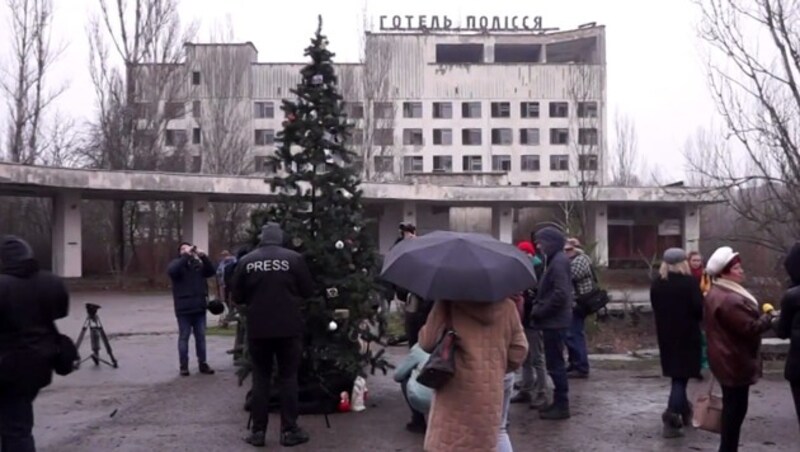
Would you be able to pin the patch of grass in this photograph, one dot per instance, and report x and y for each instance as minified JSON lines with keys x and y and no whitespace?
{"x":216,"y":330}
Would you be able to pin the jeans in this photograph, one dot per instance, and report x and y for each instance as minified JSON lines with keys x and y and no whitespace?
{"x":678,"y":402}
{"x":189,"y":324}
{"x":503,"y":441}
{"x":16,"y":421}
{"x":576,"y":344}
{"x":734,"y":410}
{"x":554,"y":359}
{"x":534,"y":364}
{"x":417,"y":418}
{"x":287,"y":351}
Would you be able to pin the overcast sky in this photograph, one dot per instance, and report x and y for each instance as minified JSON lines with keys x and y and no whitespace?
{"x":655,"y":70}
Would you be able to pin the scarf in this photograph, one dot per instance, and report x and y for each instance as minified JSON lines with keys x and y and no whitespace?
{"x":698,"y":273}
{"x":736,"y":288}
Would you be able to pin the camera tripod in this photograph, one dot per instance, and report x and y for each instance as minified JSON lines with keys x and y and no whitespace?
{"x":96,"y":335}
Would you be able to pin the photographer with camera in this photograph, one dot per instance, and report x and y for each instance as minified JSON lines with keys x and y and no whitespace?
{"x":31,"y":347}
{"x":188,"y":274}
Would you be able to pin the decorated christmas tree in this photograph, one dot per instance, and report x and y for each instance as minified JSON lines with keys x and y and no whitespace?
{"x":319,"y":205}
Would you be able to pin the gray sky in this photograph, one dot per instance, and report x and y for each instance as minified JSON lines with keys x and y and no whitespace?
{"x":655,"y":70}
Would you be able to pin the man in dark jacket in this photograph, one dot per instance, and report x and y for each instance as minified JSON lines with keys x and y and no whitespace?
{"x":189,"y":273}
{"x":788,"y":324}
{"x":30,"y":302}
{"x":552,"y":313}
{"x":273,"y":282}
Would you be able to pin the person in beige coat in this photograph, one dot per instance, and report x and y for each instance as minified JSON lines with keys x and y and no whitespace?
{"x":466,"y":413}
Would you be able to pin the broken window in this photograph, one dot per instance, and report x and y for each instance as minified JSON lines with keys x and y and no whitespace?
{"x":196,"y":135}
{"x":383,"y":110}
{"x":442,"y":110}
{"x":501,"y":109}
{"x":529,"y":162}
{"x":471,"y":137}
{"x":587,"y":109}
{"x":517,"y":53}
{"x":413,"y":164}
{"x":383,"y":137}
{"x":459,"y":53}
{"x":384,"y":163}
{"x":502,"y":136}
{"x":263,"y":110}
{"x":529,"y":137}
{"x":412,"y":109}
{"x":443,"y":137}
{"x":559,"y":136}
{"x":470,"y":109}
{"x":501,"y":163}
{"x":529,"y":109}
{"x":472,"y":163}
{"x":587,"y":137}
{"x":442,"y":163}
{"x":264,"y":137}
{"x":583,"y":50}
{"x":559,"y":163}
{"x":412,"y":137}
{"x":175,"y":137}
{"x":559,"y":109}
{"x":587,"y":162}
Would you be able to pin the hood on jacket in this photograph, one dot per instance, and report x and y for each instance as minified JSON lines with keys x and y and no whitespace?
{"x":550,"y":240}
{"x":271,"y":234}
{"x":792,"y":264}
{"x":16,"y":257}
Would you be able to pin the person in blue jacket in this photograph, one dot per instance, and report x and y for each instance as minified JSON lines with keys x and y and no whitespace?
{"x":189,"y":273}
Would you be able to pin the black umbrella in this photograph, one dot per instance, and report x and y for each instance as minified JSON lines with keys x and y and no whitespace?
{"x":459,"y":266}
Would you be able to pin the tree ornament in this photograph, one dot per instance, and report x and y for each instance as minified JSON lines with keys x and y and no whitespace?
{"x":332,"y":292}
{"x":344,"y":402}
{"x":333,"y":326}
{"x":339,"y":245}
{"x":357,"y":228}
{"x":297,"y":242}
{"x":317,"y":79}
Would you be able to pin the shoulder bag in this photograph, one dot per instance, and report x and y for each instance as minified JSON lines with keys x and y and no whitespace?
{"x":441,"y":365}
{"x":593,"y":301}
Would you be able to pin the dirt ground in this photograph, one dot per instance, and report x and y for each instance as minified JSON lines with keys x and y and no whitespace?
{"x":145,"y":406}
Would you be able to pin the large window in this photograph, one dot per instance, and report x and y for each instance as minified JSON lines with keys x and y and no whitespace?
{"x":517,"y":53}
{"x":529,"y":162}
{"x":264,"y":137}
{"x":471,"y":137}
{"x":442,"y":110}
{"x":412,"y":137}
{"x":459,"y":53}
{"x":501,"y":163}
{"x":383,"y":137}
{"x":197,"y":135}
{"x":354,"y":110}
{"x":559,"y":136}
{"x":196,"y":78}
{"x":470,"y":109}
{"x":529,"y":109}
{"x":384,"y":163}
{"x":442,"y":137}
{"x":587,"y":137}
{"x":587,"y":109}
{"x":559,"y":109}
{"x":175,"y":137}
{"x":529,"y":137}
{"x":412,"y":109}
{"x":384,"y":110}
{"x":502,"y":137}
{"x":413,"y":164}
{"x":559,"y":163}
{"x":501,"y":109}
{"x":472,"y":163}
{"x":587,"y":162}
{"x":174,"y":110}
{"x":263,"y":110}
{"x":442,"y":163}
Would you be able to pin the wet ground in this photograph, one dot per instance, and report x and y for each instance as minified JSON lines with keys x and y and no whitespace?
{"x":145,"y":406}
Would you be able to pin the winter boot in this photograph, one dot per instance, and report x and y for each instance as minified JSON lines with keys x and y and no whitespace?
{"x":555,"y":412}
{"x":673,"y":425}
{"x":294,"y":437}
{"x":687,"y":415}
{"x":258,"y":438}
{"x":184,"y":371}
{"x":206,"y":369}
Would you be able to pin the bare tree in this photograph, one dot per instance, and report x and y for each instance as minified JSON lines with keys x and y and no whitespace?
{"x":371,"y":88}
{"x":625,"y":160}
{"x":23,"y":81}
{"x":136,"y":105}
{"x":754,"y":83}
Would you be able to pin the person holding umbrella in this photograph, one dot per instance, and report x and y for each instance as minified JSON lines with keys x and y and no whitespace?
{"x":552,"y":313}
{"x":472,"y":277}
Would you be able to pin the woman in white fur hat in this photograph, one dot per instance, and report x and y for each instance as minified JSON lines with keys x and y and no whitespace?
{"x":734,"y":325}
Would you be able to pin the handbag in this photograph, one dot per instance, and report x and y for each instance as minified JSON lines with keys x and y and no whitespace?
{"x":593,"y":301}
{"x":708,"y":411}
{"x":66,"y":358}
{"x":441,"y":365}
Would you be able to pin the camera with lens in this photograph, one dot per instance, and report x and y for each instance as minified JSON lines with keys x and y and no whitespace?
{"x":91,"y":309}
{"x":195,"y":263}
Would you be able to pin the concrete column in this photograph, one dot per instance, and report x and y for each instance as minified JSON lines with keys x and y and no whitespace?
{"x":600,"y":229}
{"x":67,"y":250}
{"x":691,"y":228}
{"x":409,"y":213}
{"x":195,"y":221}
{"x":503,"y":223}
